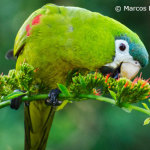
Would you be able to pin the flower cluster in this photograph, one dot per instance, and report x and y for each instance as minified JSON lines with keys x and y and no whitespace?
{"x":22,"y":79}
{"x":122,"y":90}
{"x":132,"y":92}
{"x":86,"y":86}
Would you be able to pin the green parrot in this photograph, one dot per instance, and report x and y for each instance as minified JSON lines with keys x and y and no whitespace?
{"x":57,"y":40}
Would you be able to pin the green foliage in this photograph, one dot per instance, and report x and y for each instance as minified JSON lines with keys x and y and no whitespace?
{"x":147,"y":121}
{"x":122,"y":90}
{"x":90,"y":86}
{"x":145,"y":106}
{"x":21,"y":79}
{"x":86,"y":84}
{"x":13,"y":95}
{"x":25,"y":77}
{"x":64,"y":90}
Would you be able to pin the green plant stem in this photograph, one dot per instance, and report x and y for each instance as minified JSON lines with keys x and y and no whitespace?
{"x":136,"y":108}
{"x":79,"y":98}
{"x":4,"y":104}
{"x":99,"y":98}
{"x":25,"y":98}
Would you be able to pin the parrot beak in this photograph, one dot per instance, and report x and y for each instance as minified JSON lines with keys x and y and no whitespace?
{"x":129,"y":70}
{"x":125,"y":69}
{"x":114,"y":73}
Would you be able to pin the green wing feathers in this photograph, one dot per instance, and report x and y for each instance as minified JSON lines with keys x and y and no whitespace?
{"x":33,"y":19}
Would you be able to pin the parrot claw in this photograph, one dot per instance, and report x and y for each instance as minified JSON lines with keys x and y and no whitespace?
{"x":52,"y":100}
{"x":27,"y":103}
{"x":16,"y":102}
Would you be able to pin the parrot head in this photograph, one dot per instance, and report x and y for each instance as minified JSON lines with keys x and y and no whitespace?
{"x":130,"y":55}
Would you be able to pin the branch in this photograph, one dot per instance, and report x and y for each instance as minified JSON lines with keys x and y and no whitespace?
{"x":89,"y":86}
{"x":80,"y":98}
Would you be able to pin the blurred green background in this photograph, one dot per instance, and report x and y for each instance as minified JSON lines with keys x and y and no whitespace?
{"x":85,"y":125}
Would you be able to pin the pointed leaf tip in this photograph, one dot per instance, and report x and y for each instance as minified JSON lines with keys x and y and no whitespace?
{"x":145,"y":106}
{"x":64,"y":90}
{"x":113,"y":94}
{"x":13,"y":95}
{"x":146,"y":121}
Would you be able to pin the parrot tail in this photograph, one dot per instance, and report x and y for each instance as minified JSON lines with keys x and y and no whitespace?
{"x":37,"y":124}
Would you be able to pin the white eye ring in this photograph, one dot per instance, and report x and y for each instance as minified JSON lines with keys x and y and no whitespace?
{"x":121,"y":46}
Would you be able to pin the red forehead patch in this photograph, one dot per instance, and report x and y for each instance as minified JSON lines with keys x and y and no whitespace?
{"x":36,"y":20}
{"x":28,"y":28}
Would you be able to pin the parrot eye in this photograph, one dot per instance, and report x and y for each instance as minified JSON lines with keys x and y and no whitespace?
{"x":122,"y":47}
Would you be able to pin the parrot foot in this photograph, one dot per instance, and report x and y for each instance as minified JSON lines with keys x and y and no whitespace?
{"x":27,"y":103}
{"x":52,"y":100}
{"x":16,"y":102}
